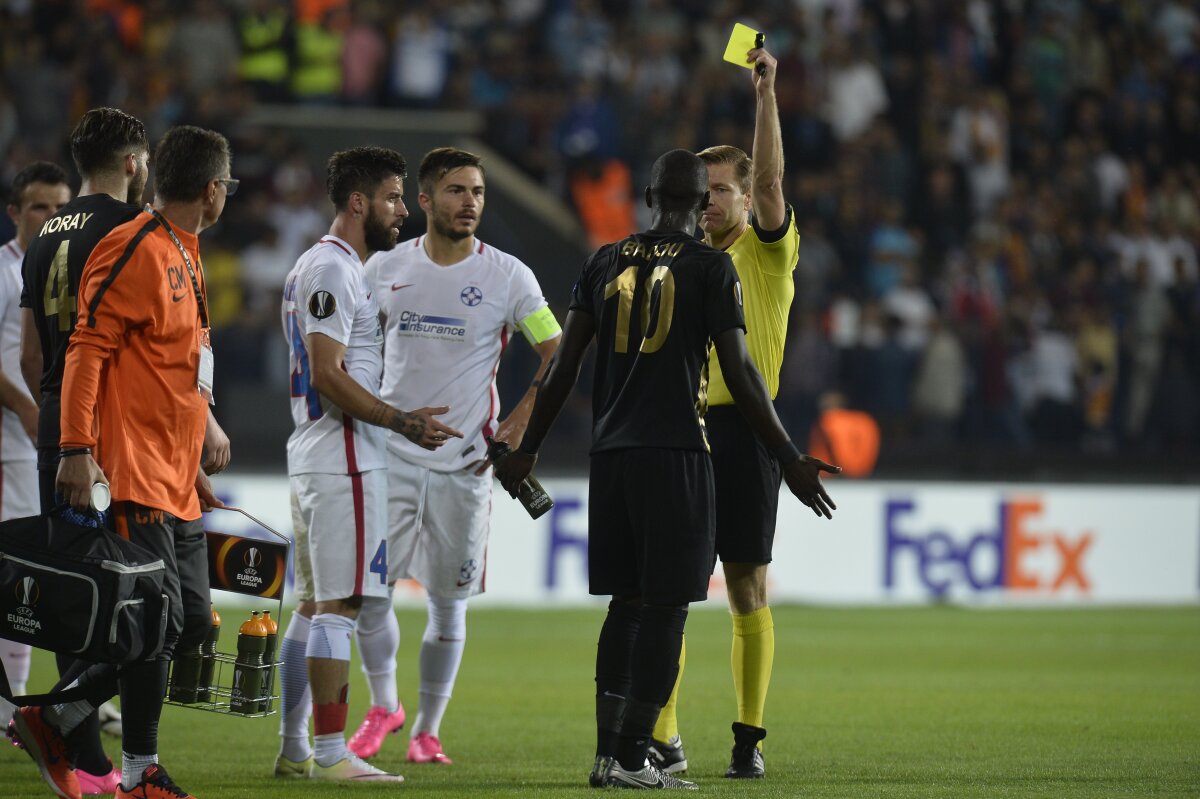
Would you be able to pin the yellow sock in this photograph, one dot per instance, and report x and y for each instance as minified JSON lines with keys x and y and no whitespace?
{"x":752,"y":658}
{"x":668,"y":725}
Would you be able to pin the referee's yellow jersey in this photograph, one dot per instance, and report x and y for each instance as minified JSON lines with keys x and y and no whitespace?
{"x":764,"y":261}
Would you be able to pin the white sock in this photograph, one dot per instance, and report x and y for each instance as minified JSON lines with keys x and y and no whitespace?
{"x":330,"y":639}
{"x":296,"y":694}
{"x":378,"y":636}
{"x":132,"y":767}
{"x":441,"y":654}
{"x":16,"y":664}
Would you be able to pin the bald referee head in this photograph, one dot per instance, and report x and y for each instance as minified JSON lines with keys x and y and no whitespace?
{"x":678,"y":191}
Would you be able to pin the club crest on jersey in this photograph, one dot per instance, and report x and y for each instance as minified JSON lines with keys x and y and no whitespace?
{"x":471,"y":296}
{"x":322,"y":305}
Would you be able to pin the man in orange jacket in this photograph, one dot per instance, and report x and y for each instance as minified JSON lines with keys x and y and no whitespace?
{"x":136,"y":390}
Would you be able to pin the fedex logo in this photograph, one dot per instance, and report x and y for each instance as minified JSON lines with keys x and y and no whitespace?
{"x":1018,"y":555}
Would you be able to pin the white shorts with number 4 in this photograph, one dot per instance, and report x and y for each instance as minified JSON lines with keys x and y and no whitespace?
{"x":438,"y":527}
{"x":340,"y":523}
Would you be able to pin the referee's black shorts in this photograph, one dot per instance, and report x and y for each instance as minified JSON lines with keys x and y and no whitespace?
{"x":748,"y":480}
{"x":650,"y":525}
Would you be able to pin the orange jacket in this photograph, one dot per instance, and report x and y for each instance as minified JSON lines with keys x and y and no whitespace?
{"x":130,"y":384}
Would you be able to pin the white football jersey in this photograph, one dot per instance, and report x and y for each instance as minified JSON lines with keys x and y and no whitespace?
{"x":327,"y":292}
{"x":444,"y":330}
{"x":15,"y":444}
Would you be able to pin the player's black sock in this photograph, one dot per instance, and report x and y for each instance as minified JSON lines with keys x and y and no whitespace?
{"x":84,"y":740}
{"x":614,"y":658}
{"x":142,"y":688}
{"x":656,"y":653}
{"x":609,"y":712}
{"x":636,"y":728}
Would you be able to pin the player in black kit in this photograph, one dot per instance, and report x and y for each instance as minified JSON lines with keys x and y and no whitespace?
{"x":653,"y":302}
{"x":111,"y":152}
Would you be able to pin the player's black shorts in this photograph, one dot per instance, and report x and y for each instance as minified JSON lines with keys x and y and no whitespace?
{"x":748,"y":479}
{"x":650,"y":525}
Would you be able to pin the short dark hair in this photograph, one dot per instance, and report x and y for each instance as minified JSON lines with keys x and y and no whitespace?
{"x":102,"y":137}
{"x":186,"y":159}
{"x":678,"y":180}
{"x":361,"y":169}
{"x":438,"y":162}
{"x":728,"y":154}
{"x":37,"y":172}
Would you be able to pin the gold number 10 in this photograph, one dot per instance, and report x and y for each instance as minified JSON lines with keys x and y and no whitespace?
{"x":625,"y":284}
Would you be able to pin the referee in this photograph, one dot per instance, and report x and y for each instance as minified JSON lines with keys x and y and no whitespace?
{"x":748,"y":218}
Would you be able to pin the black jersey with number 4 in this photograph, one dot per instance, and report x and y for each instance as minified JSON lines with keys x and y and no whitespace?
{"x":53,"y":265}
{"x":658,"y":299}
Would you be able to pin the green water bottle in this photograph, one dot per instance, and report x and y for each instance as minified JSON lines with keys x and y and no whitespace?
{"x":208,"y":658}
{"x":246,"y":694}
{"x":268,"y":660}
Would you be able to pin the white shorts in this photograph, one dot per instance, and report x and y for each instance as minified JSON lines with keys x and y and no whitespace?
{"x":340,"y":535}
{"x":438,"y":527}
{"x":19,"y":490}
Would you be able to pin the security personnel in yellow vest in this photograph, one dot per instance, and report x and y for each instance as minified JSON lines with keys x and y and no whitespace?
{"x":317,"y":69}
{"x":265,"y":33}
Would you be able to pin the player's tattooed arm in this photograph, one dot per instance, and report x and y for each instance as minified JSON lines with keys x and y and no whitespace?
{"x":409,"y":425}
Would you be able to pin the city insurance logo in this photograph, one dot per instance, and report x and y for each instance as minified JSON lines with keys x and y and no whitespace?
{"x":1017,"y":556}
{"x":28,"y":593}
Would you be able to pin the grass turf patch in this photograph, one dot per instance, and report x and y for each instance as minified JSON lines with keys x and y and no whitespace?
{"x":926,"y":702}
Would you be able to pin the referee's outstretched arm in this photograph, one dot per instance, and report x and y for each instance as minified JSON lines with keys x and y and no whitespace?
{"x":801,"y":472}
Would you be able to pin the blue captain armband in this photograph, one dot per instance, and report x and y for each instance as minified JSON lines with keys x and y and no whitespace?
{"x":540,"y":326}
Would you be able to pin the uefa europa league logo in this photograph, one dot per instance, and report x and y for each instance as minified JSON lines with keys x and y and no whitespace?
{"x":252,"y":558}
{"x":28,"y":591}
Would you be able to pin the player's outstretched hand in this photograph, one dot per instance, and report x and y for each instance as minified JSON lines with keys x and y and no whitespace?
{"x":421,"y":428}
{"x":513,"y":468}
{"x":803,"y":478}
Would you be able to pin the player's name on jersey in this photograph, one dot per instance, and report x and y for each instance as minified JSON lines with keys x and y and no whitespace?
{"x":637,"y":249}
{"x":68,"y":222}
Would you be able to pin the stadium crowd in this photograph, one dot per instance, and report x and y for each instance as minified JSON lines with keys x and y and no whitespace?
{"x":999,"y":201}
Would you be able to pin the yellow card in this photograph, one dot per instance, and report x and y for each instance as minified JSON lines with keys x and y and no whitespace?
{"x":741,"y":41}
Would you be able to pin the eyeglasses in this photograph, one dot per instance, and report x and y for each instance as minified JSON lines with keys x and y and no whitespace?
{"x":231,"y":185}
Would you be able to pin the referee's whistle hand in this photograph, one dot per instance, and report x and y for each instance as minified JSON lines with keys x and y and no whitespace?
{"x":803,"y":478}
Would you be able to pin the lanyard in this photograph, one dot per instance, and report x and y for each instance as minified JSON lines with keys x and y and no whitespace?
{"x":187,"y":259}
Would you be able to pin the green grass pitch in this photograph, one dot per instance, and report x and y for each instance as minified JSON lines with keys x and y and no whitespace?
{"x":929,"y":702}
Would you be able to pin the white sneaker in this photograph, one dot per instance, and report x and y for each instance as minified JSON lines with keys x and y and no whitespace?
{"x":351,"y":768}
{"x":110,"y":719}
{"x":648,"y":776}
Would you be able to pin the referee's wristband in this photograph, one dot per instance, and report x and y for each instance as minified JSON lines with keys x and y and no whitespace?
{"x":786,"y":453}
{"x":69,"y":452}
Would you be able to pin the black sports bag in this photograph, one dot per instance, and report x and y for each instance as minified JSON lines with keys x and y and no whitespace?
{"x":81,"y":591}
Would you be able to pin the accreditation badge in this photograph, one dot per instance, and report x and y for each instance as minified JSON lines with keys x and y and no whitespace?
{"x":204,"y":381}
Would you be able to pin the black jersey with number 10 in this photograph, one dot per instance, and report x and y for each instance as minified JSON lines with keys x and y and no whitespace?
{"x":658,"y":299}
{"x":53,"y":265}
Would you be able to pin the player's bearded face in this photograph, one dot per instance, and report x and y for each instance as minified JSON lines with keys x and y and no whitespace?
{"x":380,"y":234}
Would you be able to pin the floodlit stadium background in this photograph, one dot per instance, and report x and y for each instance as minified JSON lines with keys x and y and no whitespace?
{"x":999,"y":212}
